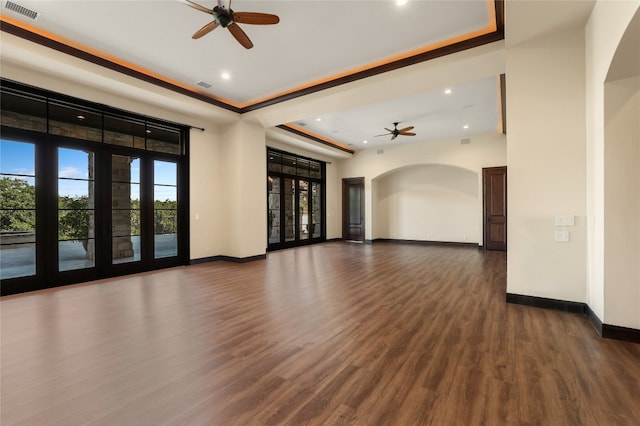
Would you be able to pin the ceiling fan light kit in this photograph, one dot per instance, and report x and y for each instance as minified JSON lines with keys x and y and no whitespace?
{"x":225,"y":17}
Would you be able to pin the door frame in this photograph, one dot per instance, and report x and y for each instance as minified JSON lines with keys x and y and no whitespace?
{"x":346,"y":183}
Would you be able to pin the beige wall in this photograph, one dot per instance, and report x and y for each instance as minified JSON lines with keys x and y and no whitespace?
{"x":546,"y":165}
{"x":388,"y":202}
{"x":608,"y":22}
{"x":431,"y":202}
{"x":206,"y":217}
{"x":622,"y":203}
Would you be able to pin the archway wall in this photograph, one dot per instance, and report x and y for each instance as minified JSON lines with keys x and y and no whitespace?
{"x":604,"y":31}
{"x":428,"y":202}
{"x":622,"y":203}
{"x":410,"y":187}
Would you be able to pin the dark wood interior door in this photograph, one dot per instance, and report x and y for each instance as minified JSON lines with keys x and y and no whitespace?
{"x":494,"y":182}
{"x":353,"y":209}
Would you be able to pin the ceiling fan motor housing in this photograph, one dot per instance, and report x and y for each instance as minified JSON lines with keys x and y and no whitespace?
{"x":223,"y":16}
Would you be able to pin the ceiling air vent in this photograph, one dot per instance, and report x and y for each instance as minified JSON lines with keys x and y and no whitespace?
{"x":204,"y":84}
{"x":32,"y":14}
{"x":465,"y":141}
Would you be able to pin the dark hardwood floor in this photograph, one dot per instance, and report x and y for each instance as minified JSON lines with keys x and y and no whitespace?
{"x":337,"y":333}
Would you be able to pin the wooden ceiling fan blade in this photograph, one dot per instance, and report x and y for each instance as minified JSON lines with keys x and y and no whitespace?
{"x":205,"y":30}
{"x":255,"y":18}
{"x":407,"y":134}
{"x":198,"y":7}
{"x":240,"y":35}
{"x":406,"y":129}
{"x":388,"y":130}
{"x":384,"y":134}
{"x":394,"y":136}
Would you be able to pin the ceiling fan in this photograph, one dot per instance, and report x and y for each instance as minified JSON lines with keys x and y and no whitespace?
{"x":398,"y":132}
{"x":225,"y":17}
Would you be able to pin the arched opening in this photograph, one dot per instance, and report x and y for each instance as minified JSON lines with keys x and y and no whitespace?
{"x":622,"y":182}
{"x":427,"y":202}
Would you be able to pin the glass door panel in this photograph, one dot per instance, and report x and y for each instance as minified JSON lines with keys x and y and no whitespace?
{"x":355,"y":213}
{"x":165,"y":209}
{"x":303,"y":203}
{"x":17,"y":210}
{"x":76,"y":212}
{"x":316,"y":212}
{"x":125,"y":209}
{"x":289,"y":209}
{"x":273,"y":218}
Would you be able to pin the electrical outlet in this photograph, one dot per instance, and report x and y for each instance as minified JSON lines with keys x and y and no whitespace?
{"x":562,"y":236}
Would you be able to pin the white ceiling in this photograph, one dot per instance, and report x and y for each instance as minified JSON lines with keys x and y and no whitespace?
{"x":314,"y":41}
{"x":458,"y":111}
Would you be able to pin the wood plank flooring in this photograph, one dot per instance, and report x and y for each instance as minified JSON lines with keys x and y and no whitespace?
{"x":335,"y":334}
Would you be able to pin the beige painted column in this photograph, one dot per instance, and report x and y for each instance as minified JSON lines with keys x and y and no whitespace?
{"x":546,"y":157}
{"x":244,"y":197}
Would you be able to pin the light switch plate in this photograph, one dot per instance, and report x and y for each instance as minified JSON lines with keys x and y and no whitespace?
{"x":565,"y":220}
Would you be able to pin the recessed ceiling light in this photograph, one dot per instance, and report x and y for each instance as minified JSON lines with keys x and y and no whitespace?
{"x":364,"y":142}
{"x":447,"y":91}
{"x":225,"y":75}
{"x":466,"y":126}
{"x":318,"y":119}
{"x":401,"y":2}
{"x":80,"y":117}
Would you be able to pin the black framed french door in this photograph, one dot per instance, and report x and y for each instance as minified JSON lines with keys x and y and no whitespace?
{"x":145,"y":217}
{"x":22,"y":221}
{"x":288,"y":214}
{"x":117,"y":213}
{"x":73,"y":211}
{"x":296,"y":200}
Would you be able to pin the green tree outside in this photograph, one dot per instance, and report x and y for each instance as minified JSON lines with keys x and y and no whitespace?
{"x":17,"y":201}
{"x":164,"y":216}
{"x":74,"y":218}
